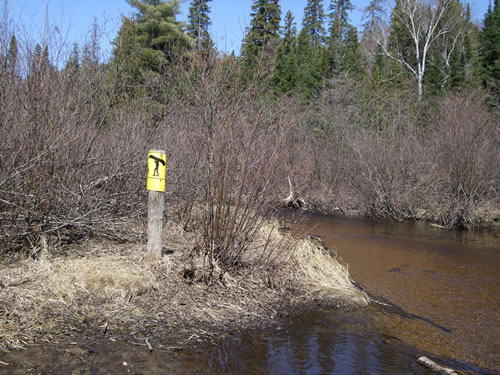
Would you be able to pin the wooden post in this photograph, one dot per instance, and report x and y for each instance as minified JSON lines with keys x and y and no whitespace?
{"x":155,"y":223}
{"x":157,"y":162}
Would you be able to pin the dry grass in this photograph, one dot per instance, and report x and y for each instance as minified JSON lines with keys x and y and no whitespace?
{"x":105,"y":284}
{"x":324,"y":277}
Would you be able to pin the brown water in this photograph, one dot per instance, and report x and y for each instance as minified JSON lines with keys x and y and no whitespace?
{"x":445,"y":284}
{"x":440,"y":294}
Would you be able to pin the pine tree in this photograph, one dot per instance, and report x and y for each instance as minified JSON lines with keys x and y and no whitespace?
{"x":158,"y":32}
{"x":199,"y":22}
{"x":147,"y":45}
{"x":490,"y":51}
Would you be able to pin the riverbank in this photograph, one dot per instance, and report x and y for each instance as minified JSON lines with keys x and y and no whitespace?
{"x":108,"y":289}
{"x":486,"y":217}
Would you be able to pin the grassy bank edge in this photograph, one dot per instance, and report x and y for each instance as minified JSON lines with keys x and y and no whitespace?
{"x":104,"y":288}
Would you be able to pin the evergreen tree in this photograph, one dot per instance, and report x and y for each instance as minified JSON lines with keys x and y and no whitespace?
{"x":144,"y":49}
{"x":199,"y":22}
{"x":339,"y":17}
{"x":11,"y":60}
{"x":338,"y":27}
{"x":74,"y":58}
{"x":453,"y":59}
{"x":465,"y":70}
{"x":40,"y":60}
{"x":400,"y":40}
{"x":308,"y":61}
{"x":352,"y":62}
{"x":313,"y":22}
{"x":373,"y":15}
{"x":91,"y":49}
{"x":286,"y":71}
{"x":261,"y":39}
{"x":157,"y":31}
{"x":73,"y":64}
{"x":490,"y":51}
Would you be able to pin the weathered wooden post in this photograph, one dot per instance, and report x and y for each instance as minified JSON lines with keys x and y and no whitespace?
{"x":157,"y":167}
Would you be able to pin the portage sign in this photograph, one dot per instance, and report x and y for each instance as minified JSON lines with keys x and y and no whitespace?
{"x":157,"y":170}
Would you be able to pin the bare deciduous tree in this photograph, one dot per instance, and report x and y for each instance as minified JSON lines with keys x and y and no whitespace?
{"x":425,"y":21}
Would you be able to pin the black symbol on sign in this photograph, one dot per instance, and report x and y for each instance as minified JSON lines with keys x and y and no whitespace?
{"x":157,"y":164}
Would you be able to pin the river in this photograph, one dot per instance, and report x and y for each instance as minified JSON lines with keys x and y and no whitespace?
{"x":437,"y":294}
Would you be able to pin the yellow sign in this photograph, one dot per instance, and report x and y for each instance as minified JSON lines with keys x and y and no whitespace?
{"x":157,"y":170}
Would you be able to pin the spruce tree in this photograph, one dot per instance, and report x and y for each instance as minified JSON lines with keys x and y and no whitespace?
{"x":338,"y":27}
{"x":372,"y":19}
{"x":313,"y":22}
{"x":308,"y":61}
{"x":490,"y":51}
{"x":73,"y":64}
{"x":285,"y":73}
{"x":11,"y":60}
{"x":261,"y":39}
{"x":352,"y":62}
{"x":453,"y":58}
{"x":199,"y":22}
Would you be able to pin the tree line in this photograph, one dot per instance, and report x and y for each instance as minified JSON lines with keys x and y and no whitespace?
{"x":433,"y":44}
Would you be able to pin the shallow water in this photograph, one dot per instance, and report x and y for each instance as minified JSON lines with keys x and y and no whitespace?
{"x":448,"y":281}
{"x":439,"y":293}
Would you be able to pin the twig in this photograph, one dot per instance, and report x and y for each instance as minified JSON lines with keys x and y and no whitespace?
{"x":105,"y":328}
{"x":148,"y":345}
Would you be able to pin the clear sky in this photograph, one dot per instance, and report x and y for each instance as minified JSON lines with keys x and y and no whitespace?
{"x":229,"y":17}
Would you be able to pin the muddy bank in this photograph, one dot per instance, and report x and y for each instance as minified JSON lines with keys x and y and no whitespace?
{"x":106,"y":290}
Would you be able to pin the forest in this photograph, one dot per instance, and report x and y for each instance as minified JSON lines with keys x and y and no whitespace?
{"x":397,"y":120}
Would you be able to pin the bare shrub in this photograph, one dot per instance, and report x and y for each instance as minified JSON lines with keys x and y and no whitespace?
{"x":464,"y":143}
{"x":230,"y":160}
{"x":64,"y":168}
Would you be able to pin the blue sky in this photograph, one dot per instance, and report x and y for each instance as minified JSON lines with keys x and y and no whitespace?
{"x":229,"y":17}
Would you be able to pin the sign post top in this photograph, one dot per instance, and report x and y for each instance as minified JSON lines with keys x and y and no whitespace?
{"x":157,"y":170}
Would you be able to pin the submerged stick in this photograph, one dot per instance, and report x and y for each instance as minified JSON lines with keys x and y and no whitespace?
{"x":435,"y":367}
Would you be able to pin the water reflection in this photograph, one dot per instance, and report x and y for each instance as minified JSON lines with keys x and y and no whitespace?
{"x":317,"y":343}
{"x":325,"y":342}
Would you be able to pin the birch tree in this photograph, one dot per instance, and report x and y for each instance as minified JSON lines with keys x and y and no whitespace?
{"x":423,"y":22}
